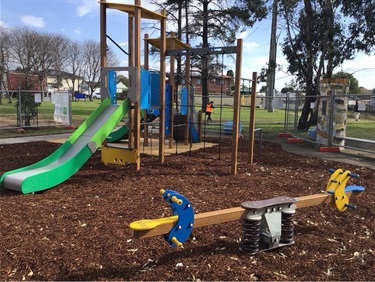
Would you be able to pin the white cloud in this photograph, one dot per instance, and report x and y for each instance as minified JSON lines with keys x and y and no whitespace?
{"x":33,"y":21}
{"x":363,"y":69}
{"x":250,"y":45}
{"x":85,"y":7}
{"x":77,"y":31}
{"x":242,"y":35}
{"x":3,"y":24}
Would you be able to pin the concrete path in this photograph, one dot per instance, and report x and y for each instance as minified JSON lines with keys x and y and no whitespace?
{"x":308,"y":149}
{"x":348,"y":156}
{"x":33,"y":138}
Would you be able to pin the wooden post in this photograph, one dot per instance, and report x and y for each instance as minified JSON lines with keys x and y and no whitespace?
{"x":132,"y":79}
{"x":146,"y":66}
{"x":137,"y":64}
{"x":189,"y":111}
{"x":103,"y":34}
{"x":172,"y":88}
{"x":163,"y":47}
{"x":236,"y":107}
{"x":252,"y":119}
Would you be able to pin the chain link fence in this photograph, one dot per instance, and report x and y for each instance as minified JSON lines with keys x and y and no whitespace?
{"x":22,"y":109}
{"x":346,"y":121}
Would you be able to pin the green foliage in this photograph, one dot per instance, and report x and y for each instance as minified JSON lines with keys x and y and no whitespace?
{"x":28,"y":109}
{"x":123,"y":79}
{"x":263,"y":89}
{"x":319,"y":40}
{"x":287,"y":89}
{"x":354,"y":88}
{"x":362,"y":26}
{"x":230,"y":73}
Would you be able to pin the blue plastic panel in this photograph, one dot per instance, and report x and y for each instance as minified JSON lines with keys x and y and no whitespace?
{"x":167,"y":108}
{"x":155,"y":89}
{"x":228,"y":127}
{"x":184,"y":102}
{"x":145,"y":89}
{"x":112,"y":83}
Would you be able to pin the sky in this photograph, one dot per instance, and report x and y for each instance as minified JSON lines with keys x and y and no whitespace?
{"x":80,"y":20}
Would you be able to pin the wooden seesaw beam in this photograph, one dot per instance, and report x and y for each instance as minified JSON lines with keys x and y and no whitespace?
{"x":231,"y":214}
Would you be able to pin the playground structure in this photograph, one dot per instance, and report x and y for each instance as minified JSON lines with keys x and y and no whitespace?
{"x":184,"y":120}
{"x":266,"y":224}
{"x":268,"y":218}
{"x":147,"y":95}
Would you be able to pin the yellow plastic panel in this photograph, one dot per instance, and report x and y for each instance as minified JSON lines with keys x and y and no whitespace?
{"x":118,"y":156}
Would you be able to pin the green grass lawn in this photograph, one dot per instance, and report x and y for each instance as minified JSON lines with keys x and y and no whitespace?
{"x":8,"y":118}
{"x":270,"y":122}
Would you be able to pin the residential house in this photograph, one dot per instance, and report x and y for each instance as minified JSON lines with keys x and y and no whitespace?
{"x":53,"y":82}
{"x":63,"y":81}
{"x":216,"y":84}
{"x":18,"y":80}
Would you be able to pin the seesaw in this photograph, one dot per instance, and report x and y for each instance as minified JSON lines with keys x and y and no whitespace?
{"x":266,"y":224}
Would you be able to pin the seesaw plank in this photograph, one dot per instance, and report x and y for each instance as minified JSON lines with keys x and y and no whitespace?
{"x":231,"y":214}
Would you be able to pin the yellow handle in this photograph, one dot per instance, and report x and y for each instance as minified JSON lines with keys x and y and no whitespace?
{"x":176,"y":200}
{"x":178,"y":243}
{"x":173,"y":199}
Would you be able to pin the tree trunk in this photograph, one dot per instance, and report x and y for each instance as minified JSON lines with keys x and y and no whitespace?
{"x":303,"y":122}
{"x":179,"y":36}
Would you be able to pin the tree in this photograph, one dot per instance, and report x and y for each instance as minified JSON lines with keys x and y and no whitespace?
{"x":28,"y":108}
{"x":74,"y":63}
{"x":287,"y":89}
{"x":91,"y":63}
{"x":178,"y":13}
{"x":314,"y":46}
{"x":210,"y":22}
{"x":263,"y":89}
{"x":23,"y":47}
{"x":354,"y":86}
{"x":123,"y":79}
{"x":362,"y":26}
{"x":4,"y":63}
{"x":61,"y":52}
{"x":220,"y":21}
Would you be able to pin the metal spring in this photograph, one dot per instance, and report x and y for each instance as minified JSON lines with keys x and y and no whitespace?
{"x":287,"y":228}
{"x":250,"y":236}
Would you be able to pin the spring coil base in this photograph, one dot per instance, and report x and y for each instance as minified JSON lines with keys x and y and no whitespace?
{"x":250,"y":236}
{"x":287,"y":228}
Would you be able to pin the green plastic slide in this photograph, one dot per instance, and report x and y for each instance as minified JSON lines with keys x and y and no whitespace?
{"x":71,"y":155}
{"x":122,"y":132}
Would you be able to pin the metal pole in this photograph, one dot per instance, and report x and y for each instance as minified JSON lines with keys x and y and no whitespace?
{"x":19,"y":108}
{"x":272,"y":60}
{"x":331,"y":118}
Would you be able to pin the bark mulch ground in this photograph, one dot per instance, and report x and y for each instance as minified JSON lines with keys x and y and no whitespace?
{"x":79,"y":230}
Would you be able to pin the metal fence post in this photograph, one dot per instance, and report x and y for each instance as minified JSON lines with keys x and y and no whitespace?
{"x":331,"y":118}
{"x":19,"y":108}
{"x":286,"y":117}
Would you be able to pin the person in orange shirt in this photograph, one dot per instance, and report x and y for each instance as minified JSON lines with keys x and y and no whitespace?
{"x":209,"y":108}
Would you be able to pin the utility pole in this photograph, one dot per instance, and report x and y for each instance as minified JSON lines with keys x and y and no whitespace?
{"x":272,"y":60}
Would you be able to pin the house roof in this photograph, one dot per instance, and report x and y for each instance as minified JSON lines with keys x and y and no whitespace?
{"x":122,"y":86}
